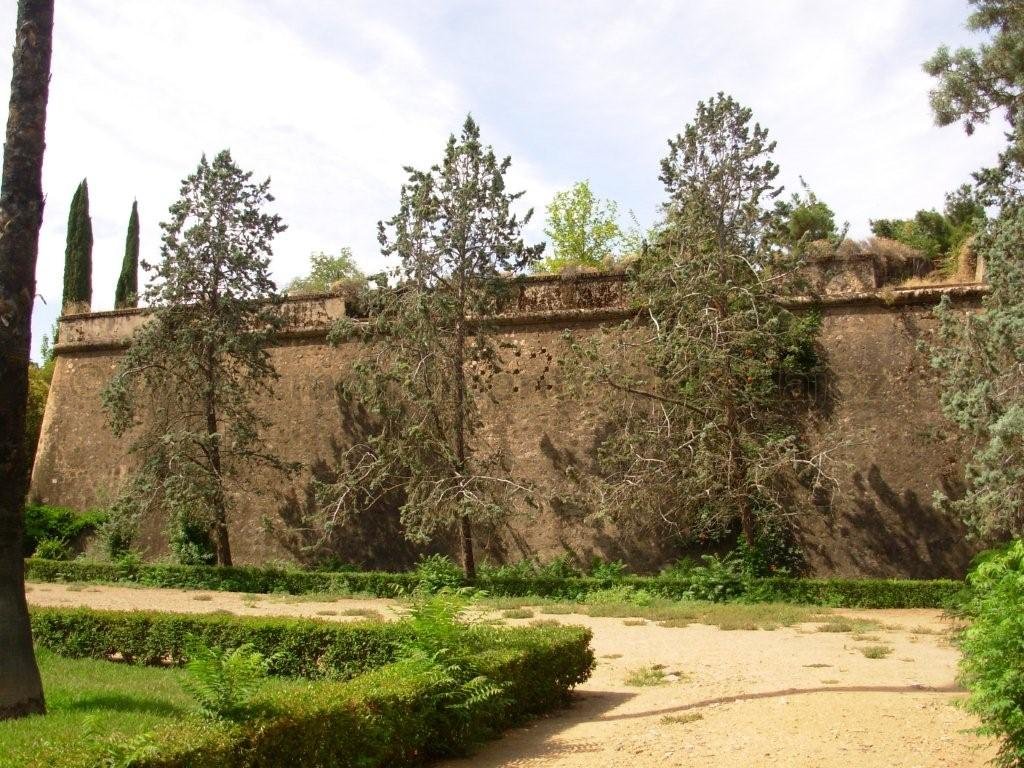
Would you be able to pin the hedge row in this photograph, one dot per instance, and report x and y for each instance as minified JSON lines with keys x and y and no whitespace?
{"x":295,"y":647}
{"x":392,"y":715}
{"x":842,"y":593}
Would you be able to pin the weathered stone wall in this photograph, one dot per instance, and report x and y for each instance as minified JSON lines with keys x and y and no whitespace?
{"x":879,"y":403}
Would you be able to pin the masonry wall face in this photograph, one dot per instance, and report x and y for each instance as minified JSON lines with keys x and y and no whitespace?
{"x":879,"y":403}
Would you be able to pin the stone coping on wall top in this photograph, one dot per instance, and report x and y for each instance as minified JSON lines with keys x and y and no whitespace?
{"x":885,"y":298}
{"x":128,"y":312}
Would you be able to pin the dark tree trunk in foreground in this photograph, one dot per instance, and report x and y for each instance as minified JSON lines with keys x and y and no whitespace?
{"x":21,"y":214}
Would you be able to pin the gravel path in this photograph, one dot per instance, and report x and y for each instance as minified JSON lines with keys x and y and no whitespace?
{"x":789,"y":698}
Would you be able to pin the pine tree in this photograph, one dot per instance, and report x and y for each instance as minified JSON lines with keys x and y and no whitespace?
{"x":201,"y":359}
{"x":78,"y":254}
{"x":21,"y":209}
{"x":430,"y":349}
{"x":701,"y":434}
{"x":127,"y":293}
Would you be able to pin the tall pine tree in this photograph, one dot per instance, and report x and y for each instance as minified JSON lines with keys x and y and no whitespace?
{"x":429,"y":348}
{"x":197,"y":365}
{"x":78,"y":254}
{"x":127,"y":293}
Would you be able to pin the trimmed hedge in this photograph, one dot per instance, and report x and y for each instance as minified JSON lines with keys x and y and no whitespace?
{"x":839,"y":593}
{"x":392,"y":715}
{"x":295,"y":647}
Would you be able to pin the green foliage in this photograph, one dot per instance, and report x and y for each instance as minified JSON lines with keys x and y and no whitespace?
{"x":222,"y":681}
{"x":53,"y":549}
{"x":583,"y":229}
{"x":804,"y":219}
{"x":976,"y":83}
{"x":938,"y":237}
{"x":393,"y":714}
{"x":127,"y":292}
{"x":703,"y":427}
{"x":39,"y":378}
{"x":56,"y":524}
{"x":201,"y":360}
{"x":715,"y":579}
{"x":605,"y":569}
{"x":980,"y":359}
{"x":428,"y":352}
{"x":326,"y":271}
{"x":78,"y":252}
{"x":437,"y":572}
{"x":673,"y":584}
{"x":992,"y":666}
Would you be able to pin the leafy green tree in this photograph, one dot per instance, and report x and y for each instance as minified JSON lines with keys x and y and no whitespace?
{"x":430,"y":351}
{"x":976,"y":83}
{"x":980,"y":355}
{"x":195,"y":367}
{"x":804,"y":218}
{"x":325,"y":271}
{"x":703,"y":433}
{"x":127,"y":292}
{"x":584,"y":230}
{"x":78,"y":253}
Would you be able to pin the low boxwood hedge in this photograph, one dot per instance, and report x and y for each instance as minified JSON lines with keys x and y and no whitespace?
{"x":295,"y":647}
{"x":840,"y":593}
{"x":392,"y":715}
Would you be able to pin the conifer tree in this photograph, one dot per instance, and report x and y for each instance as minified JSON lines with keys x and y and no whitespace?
{"x":701,"y":434}
{"x":201,"y":359}
{"x":127,"y":293}
{"x":429,"y":350}
{"x":78,"y":253}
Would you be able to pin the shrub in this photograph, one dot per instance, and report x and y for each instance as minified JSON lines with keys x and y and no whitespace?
{"x":715,"y":581}
{"x":54,"y":549}
{"x":993,"y":655}
{"x":56,"y":523}
{"x":437,"y":572}
{"x":605,"y":569}
{"x":398,"y":714}
{"x":222,"y":681}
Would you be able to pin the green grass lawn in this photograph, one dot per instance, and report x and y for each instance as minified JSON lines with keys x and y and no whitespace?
{"x":99,"y":705}
{"x":90,"y":701}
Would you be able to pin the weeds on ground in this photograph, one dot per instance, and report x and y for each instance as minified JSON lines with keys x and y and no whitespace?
{"x":686,"y":717}
{"x":846,"y":624}
{"x":643,"y":677}
{"x":517,"y":613}
{"x":875,"y":651}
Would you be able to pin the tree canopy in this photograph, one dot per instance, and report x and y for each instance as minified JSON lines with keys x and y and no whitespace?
{"x":430,"y":353}
{"x":200,"y":360}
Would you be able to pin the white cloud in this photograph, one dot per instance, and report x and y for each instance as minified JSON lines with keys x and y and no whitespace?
{"x":331,"y":99}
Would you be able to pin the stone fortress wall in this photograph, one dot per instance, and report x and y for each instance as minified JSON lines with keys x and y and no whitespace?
{"x":881,"y":404}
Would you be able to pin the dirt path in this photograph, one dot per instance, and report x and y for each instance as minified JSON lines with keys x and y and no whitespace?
{"x":789,"y":698}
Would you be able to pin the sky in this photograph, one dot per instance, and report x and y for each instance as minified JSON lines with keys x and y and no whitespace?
{"x":332,"y":98}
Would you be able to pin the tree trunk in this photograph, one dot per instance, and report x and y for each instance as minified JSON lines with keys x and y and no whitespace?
{"x":220,"y":515}
{"x":220,"y":512}
{"x":459,"y":371}
{"x":21,"y":214}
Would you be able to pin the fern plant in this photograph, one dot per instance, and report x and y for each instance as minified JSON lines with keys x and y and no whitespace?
{"x":222,"y":681}
{"x":439,"y":647}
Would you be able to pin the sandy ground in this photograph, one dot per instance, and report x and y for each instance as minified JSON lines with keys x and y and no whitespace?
{"x":792,"y":697}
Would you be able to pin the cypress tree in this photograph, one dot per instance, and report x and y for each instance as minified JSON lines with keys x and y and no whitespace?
{"x":127,"y":293}
{"x":78,"y":254}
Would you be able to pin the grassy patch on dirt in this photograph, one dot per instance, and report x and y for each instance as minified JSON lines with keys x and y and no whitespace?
{"x":517,"y":613}
{"x":645,"y":677}
{"x":686,"y":717}
{"x":875,"y":651}
{"x":671,"y":613}
{"x":846,"y":624}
